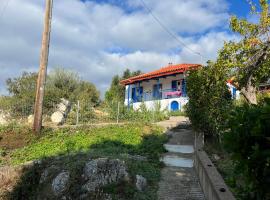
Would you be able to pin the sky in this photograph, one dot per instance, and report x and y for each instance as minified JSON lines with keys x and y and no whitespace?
{"x":101,"y":38}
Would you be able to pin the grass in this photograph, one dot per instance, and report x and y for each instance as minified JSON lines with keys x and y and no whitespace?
{"x":224,"y":164}
{"x":71,"y":148}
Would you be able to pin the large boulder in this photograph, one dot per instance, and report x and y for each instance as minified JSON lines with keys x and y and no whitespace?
{"x":58,"y":117}
{"x":61,"y":113}
{"x":103,"y":171}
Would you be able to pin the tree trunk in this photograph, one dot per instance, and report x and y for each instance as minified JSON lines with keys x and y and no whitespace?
{"x":250,"y":92}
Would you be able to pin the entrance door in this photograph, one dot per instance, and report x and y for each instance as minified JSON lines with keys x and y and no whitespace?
{"x":174,"y":106}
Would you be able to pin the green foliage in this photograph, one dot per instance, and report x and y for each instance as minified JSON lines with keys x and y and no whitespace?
{"x":209,"y":99}
{"x":248,"y":59}
{"x":61,"y":83}
{"x":248,"y":140}
{"x":69,"y":150}
{"x":22,"y":91}
{"x":140,"y":115}
{"x":116,"y":93}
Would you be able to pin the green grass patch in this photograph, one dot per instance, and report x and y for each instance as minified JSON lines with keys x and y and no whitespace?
{"x":71,"y":148}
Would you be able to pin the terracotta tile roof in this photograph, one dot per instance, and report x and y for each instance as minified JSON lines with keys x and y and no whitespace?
{"x":164,"y":71}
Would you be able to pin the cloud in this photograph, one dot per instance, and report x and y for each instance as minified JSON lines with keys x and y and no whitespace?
{"x":99,"y":40}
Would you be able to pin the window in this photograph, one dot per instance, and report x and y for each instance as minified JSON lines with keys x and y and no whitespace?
{"x":137,"y":94}
{"x":157,"y":91}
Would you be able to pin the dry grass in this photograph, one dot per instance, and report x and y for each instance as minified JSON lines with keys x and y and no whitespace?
{"x":8,"y":179}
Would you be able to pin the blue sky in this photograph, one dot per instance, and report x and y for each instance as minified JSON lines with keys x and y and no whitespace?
{"x":99,"y":39}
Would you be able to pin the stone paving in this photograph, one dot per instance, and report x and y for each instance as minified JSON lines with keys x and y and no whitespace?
{"x":178,"y":178}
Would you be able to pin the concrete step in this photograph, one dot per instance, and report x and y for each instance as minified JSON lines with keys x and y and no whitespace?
{"x":179,"y":148}
{"x":173,"y":160}
{"x":183,"y":137}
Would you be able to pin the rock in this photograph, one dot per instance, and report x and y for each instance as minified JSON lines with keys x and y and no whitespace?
{"x":103,"y":171}
{"x":58,"y":117}
{"x":216,"y":157}
{"x":44,"y":176}
{"x":4,"y":118}
{"x":141,"y":182}
{"x":30,"y":119}
{"x":63,"y":108}
{"x":60,"y":183}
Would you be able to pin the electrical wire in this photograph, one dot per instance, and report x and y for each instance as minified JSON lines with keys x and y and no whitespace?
{"x":168,"y":31}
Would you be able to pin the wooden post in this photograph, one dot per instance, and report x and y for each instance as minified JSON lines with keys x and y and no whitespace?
{"x":78,"y":113}
{"x":118,"y":112}
{"x":43,"y":68}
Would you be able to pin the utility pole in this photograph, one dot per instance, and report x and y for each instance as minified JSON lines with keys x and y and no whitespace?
{"x":43,"y":67}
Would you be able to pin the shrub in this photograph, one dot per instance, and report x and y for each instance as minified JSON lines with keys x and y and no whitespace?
{"x":248,"y":139}
{"x":209,"y":100}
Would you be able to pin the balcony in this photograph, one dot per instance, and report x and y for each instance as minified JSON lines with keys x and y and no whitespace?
{"x":158,"y":95}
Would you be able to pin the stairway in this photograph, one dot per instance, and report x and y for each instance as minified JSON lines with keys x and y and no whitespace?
{"x":178,"y":178}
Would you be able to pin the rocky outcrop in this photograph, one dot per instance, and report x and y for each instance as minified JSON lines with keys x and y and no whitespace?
{"x":103,"y":171}
{"x":63,"y":108}
{"x":60,"y":183}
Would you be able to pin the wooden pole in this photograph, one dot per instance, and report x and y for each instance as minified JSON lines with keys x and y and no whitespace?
{"x":78,"y":112}
{"x":43,"y":67}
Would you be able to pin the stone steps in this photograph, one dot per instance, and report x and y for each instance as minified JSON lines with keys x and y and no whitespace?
{"x":179,"y":148}
{"x":177,"y":161}
{"x":178,"y":179}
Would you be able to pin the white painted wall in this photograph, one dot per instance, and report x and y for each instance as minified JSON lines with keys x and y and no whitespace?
{"x":148,"y":85}
{"x":231,"y":87}
{"x":165,"y":104}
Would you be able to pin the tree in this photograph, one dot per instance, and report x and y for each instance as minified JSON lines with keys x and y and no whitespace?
{"x":60,"y":84}
{"x":248,"y":60}
{"x":23,"y":87}
{"x":22,"y":90}
{"x":116,"y":93}
{"x":209,"y":99}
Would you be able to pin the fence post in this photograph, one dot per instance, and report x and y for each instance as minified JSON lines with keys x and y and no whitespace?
{"x":118,"y":111}
{"x":78,"y":112}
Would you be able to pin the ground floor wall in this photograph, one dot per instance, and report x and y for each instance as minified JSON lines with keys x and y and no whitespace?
{"x":164,"y":104}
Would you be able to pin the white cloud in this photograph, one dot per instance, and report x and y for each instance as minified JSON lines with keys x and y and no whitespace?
{"x":86,"y":35}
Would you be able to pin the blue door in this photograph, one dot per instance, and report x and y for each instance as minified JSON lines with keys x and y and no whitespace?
{"x":174,"y":106}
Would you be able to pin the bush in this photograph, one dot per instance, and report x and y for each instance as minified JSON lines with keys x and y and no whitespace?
{"x":248,"y":140}
{"x":140,"y":115}
{"x":209,"y":100}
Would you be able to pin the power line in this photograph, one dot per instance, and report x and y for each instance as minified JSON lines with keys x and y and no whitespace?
{"x":168,"y":31}
{"x":4,"y":9}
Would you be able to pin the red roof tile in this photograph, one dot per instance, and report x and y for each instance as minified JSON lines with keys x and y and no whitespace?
{"x":164,"y":71}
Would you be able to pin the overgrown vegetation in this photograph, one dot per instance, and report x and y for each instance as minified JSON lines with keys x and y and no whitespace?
{"x":242,"y":127}
{"x":140,"y":115}
{"x":60,"y":84}
{"x":70,"y":148}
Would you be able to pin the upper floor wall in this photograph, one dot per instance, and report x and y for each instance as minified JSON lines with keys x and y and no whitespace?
{"x":156,"y":89}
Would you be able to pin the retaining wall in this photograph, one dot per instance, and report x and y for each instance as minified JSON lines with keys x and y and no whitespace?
{"x":211,"y":181}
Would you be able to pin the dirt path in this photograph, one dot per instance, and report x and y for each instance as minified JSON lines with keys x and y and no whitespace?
{"x":178,"y":179}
